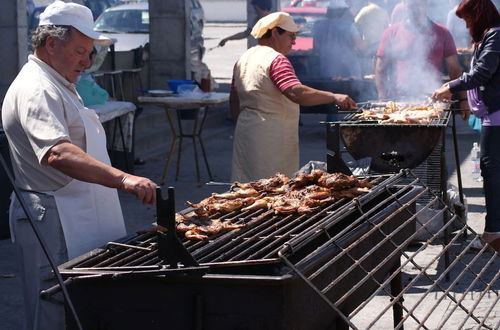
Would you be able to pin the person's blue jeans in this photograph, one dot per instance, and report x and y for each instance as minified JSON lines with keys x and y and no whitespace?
{"x":490,"y":170}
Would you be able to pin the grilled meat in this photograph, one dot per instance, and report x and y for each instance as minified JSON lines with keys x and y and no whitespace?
{"x":213,"y":205}
{"x":304,"y":178}
{"x":303,"y":194}
{"x":403,"y":112}
{"x":275,"y":184}
{"x":237,"y":192}
{"x":337,"y":181}
{"x":200,"y":228}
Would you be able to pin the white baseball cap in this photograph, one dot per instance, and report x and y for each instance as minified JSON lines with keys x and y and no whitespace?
{"x":75,"y":15}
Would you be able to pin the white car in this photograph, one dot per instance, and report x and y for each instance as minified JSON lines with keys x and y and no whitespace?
{"x":128,"y":24}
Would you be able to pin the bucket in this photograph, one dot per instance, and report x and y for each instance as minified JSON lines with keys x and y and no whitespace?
{"x":174,"y":84}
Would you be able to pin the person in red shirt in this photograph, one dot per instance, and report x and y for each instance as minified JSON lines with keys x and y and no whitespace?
{"x":411,"y":55}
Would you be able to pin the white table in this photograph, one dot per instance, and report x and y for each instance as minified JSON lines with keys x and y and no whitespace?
{"x":180,"y":103}
{"x":118,"y":115}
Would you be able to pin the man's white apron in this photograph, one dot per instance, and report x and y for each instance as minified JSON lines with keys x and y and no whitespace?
{"x":90,"y":214}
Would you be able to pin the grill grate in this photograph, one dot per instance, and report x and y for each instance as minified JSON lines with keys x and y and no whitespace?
{"x":351,"y":119}
{"x":260,"y":240}
{"x":431,"y":300}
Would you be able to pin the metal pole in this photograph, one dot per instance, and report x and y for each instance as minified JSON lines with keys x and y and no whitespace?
{"x":42,"y":242}
{"x":457,"y":166}
{"x":396,"y":289}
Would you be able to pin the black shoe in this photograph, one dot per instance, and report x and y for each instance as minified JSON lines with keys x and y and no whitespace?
{"x":139,"y":161}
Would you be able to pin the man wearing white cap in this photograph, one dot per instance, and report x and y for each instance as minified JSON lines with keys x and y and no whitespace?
{"x":265,"y":98}
{"x":59,"y":159}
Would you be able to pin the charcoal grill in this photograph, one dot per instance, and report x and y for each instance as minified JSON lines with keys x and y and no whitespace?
{"x":239,"y":278}
{"x":391,"y":147}
{"x":279,"y":272}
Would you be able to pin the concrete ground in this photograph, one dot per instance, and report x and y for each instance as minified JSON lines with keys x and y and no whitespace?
{"x":218,"y":143}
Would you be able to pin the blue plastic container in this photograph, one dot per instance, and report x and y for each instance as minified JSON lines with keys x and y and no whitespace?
{"x":173,"y":84}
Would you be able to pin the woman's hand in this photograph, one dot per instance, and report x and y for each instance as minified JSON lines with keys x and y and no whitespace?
{"x":344,"y":101}
{"x":443,"y":93}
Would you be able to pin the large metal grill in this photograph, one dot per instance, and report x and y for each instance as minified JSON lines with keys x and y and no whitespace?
{"x":352,"y":264}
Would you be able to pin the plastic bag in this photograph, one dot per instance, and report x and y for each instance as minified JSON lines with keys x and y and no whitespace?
{"x":433,"y":220}
{"x":474,"y":123}
{"x":189,"y":90}
{"x":358,"y":167}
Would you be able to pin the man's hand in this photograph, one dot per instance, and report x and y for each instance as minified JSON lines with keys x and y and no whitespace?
{"x":143,"y":188}
{"x":344,"y":101}
{"x":222,"y":42}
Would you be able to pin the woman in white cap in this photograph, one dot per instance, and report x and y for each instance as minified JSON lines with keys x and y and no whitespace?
{"x":265,"y":98}
{"x":59,"y":159}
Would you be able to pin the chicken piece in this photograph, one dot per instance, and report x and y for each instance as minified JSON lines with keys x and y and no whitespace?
{"x":311,"y":202}
{"x":306,"y":209}
{"x":261,"y":203}
{"x":303,"y":179}
{"x":316,"y":192}
{"x":191,"y":234}
{"x":274,"y":184}
{"x":237,"y":193}
{"x":208,"y":207}
{"x":350,"y":193}
{"x":209,"y":227}
{"x":153,"y":229}
{"x":337,"y":181}
{"x":285,"y":205}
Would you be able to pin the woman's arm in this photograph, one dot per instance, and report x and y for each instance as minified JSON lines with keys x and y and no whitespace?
{"x":484,"y":67}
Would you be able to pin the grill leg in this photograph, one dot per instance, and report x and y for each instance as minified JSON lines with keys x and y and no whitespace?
{"x":444,"y":195}
{"x":199,"y":313}
{"x":340,"y":324}
{"x":396,"y":288}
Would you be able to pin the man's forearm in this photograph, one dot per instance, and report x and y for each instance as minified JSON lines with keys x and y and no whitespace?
{"x":381,"y":78}
{"x":74,"y":162}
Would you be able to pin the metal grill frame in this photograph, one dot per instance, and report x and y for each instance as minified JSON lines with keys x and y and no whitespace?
{"x":439,"y":282}
{"x":425,"y":276}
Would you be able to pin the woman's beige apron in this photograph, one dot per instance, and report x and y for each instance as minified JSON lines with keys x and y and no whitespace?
{"x":90,"y":214}
{"x":266,"y":138}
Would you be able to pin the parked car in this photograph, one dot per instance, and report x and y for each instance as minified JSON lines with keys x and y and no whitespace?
{"x":305,"y":17}
{"x":128,"y":24}
{"x":309,"y":3}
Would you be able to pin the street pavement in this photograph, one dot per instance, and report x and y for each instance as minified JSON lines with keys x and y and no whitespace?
{"x":218,"y":137}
